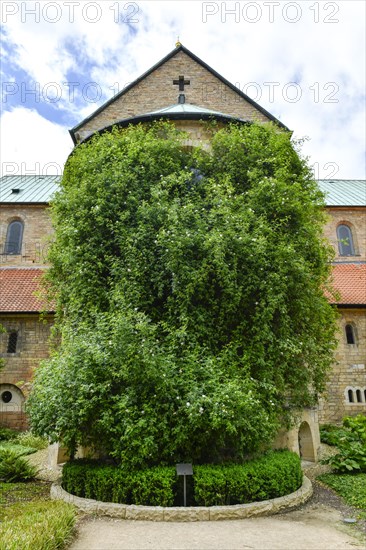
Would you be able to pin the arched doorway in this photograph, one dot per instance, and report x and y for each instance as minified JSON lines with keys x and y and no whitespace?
{"x":306,"y":445}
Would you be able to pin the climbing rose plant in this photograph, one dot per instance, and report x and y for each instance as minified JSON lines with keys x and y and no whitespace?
{"x":189,"y":285}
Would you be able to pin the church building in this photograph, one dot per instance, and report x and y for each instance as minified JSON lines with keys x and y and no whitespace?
{"x":183,"y":89}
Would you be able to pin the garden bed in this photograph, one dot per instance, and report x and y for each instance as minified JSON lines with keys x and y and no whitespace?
{"x":194,"y":513}
{"x":275,"y":474}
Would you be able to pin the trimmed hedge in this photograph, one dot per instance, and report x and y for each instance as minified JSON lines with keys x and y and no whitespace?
{"x":275,"y":474}
{"x":90,"y":479}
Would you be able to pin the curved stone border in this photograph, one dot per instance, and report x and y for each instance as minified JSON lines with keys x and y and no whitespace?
{"x":194,"y":513}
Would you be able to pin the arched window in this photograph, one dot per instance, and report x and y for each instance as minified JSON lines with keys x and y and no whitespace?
{"x":358,"y":396}
{"x":12,"y":342}
{"x":350,"y":334}
{"x":350,"y":396}
{"x":13,"y":243}
{"x":345,"y":240}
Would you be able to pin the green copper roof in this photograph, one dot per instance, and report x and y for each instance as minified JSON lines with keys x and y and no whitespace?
{"x":28,"y":188}
{"x":344,"y":192}
{"x":189,"y":108}
{"x":177,"y":111}
{"x":40,"y":189}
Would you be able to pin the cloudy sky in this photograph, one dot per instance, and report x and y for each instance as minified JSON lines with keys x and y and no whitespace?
{"x":303,"y":61}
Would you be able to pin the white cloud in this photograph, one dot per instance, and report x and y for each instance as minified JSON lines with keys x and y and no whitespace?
{"x":32,"y":144}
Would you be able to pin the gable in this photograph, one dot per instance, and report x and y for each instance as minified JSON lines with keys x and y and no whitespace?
{"x":155,"y":90}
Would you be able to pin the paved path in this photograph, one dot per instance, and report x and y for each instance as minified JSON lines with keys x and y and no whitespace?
{"x":315,"y":528}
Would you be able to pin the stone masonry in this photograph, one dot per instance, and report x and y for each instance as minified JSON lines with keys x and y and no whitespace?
{"x":355,"y":218}
{"x":36,"y":237}
{"x":349,"y":368}
{"x":32,"y":347}
{"x":348,"y":372}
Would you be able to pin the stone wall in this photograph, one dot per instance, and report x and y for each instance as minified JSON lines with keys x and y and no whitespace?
{"x":16,"y":376}
{"x":348,"y":373}
{"x":349,"y":368}
{"x":355,"y":218}
{"x":36,"y":234}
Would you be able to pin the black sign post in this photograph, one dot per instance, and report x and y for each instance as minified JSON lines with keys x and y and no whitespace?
{"x":184,"y":470}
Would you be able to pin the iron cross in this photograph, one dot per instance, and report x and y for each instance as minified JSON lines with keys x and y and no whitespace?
{"x":181,"y":82}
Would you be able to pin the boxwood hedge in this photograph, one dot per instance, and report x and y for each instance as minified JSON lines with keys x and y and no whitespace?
{"x":275,"y":474}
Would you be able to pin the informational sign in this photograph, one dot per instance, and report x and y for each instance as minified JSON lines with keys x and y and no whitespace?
{"x":184,"y":470}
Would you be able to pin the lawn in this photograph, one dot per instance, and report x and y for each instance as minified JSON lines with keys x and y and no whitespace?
{"x":29,"y":520}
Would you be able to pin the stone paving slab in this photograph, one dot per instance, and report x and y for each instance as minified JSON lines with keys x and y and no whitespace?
{"x":317,"y":529}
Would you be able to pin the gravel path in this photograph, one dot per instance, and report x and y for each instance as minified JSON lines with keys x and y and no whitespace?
{"x":40,"y":461}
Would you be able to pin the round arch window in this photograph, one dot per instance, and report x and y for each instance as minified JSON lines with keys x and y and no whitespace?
{"x":6,"y":396}
{"x":11,"y":398}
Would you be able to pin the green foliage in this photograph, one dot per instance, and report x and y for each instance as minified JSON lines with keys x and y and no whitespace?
{"x":29,"y":439}
{"x":190,"y":296}
{"x":351,"y":443}
{"x":357,"y":426}
{"x":275,"y":474}
{"x":14,"y":467}
{"x":6,"y":434}
{"x":36,"y":525}
{"x":331,"y":434}
{"x":153,"y":487}
{"x":19,"y":450}
{"x":21,"y":443}
{"x":351,"y":487}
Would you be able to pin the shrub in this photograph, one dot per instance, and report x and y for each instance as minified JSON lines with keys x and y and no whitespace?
{"x":14,"y":467}
{"x":7,"y":434}
{"x":36,"y":525}
{"x":331,"y":434}
{"x":351,"y":442}
{"x":357,"y":426}
{"x":18,"y":449}
{"x":74,"y":476}
{"x":29,"y":439}
{"x":154,"y":487}
{"x":273,"y":475}
{"x":90,"y":479}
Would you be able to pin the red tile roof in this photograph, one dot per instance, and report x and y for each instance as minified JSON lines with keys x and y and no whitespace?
{"x":17,"y":288}
{"x":18,"y":285}
{"x":350,"y":281}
